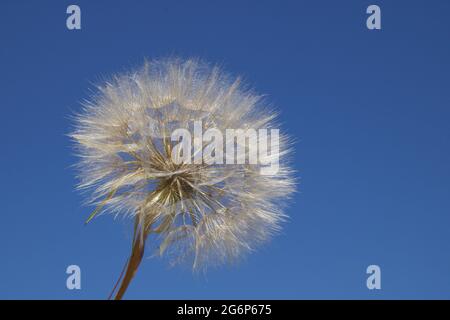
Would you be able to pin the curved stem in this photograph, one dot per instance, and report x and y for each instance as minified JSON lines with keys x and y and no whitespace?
{"x":118,"y":280}
{"x":133,"y":262}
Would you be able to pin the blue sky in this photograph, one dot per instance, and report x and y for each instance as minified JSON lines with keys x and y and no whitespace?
{"x":369,"y":110}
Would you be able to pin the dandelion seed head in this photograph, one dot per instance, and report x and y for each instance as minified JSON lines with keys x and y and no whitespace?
{"x":210,"y":214}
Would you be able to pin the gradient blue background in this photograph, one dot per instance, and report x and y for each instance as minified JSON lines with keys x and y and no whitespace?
{"x":369,"y":109}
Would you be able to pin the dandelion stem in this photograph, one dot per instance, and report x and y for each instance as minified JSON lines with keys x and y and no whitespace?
{"x":132,"y":265}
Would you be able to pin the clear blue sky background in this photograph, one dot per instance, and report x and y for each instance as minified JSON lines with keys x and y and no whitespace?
{"x":369,"y":109}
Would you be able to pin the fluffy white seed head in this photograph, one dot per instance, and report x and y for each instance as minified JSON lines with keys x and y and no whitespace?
{"x":210,"y":213}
